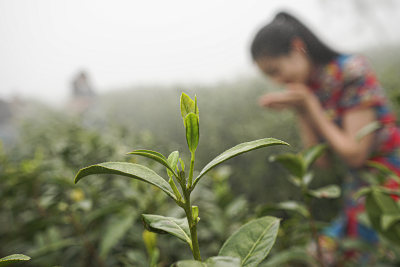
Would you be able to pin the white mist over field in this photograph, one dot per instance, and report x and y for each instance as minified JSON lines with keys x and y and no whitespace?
{"x":123,"y":43}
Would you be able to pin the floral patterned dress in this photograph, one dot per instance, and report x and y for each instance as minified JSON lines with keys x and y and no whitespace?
{"x":348,"y":83}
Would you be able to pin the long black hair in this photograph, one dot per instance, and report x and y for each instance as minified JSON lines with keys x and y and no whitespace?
{"x":275,"y":39}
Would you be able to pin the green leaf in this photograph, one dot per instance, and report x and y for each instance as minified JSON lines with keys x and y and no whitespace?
{"x":131,"y":170}
{"x":189,"y":263}
{"x":295,"y":254}
{"x":237,"y":150}
{"x":14,"y":258}
{"x":367,"y":129}
{"x":115,"y":231}
{"x":154,"y":156}
{"x":387,"y":173}
{"x":386,"y":204}
{"x":330,"y":191}
{"x":218,"y":261}
{"x":192,"y":131}
{"x":308,"y":177}
{"x":253,"y":241}
{"x":387,"y":220}
{"x":312,"y":153}
{"x":160,"y":224}
{"x":182,"y":164}
{"x":292,"y":162}
{"x":362,"y":192}
{"x":296,"y":181}
{"x":173,"y":162}
{"x":294,"y":206}
{"x":150,"y":152}
{"x":188,"y":106}
{"x":375,"y":204}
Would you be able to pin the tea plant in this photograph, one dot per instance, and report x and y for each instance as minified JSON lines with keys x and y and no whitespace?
{"x":301,"y":176}
{"x":381,"y":201}
{"x":14,"y":258}
{"x":242,"y":248}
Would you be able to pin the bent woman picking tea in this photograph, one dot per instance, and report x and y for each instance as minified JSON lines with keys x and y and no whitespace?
{"x":334,"y":97}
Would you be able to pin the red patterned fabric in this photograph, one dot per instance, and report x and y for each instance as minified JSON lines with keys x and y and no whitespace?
{"x":349,"y":83}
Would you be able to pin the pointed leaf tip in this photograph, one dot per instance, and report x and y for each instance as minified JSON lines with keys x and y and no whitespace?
{"x":188,"y":105}
{"x":237,"y":150}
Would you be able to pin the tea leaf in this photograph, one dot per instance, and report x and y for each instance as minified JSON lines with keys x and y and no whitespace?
{"x":173,"y":226}
{"x":307,"y":178}
{"x":385,"y":171}
{"x":192,"y":131}
{"x":387,"y":220}
{"x":330,"y":191}
{"x":131,"y":170}
{"x":252,"y":242}
{"x":386,"y":204}
{"x":237,"y":150}
{"x":367,"y":129}
{"x":188,"y":106}
{"x":218,"y":261}
{"x":173,"y":162}
{"x":14,"y":258}
{"x":292,"y":162}
{"x":312,"y":153}
{"x":146,"y":151}
{"x":362,"y":192}
{"x":296,"y":254}
{"x":154,"y":156}
{"x":294,"y":206}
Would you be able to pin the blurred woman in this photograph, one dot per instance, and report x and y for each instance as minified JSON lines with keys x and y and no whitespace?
{"x":334,"y":96}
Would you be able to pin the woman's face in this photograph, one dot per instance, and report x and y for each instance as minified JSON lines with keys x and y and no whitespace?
{"x":294,"y":67}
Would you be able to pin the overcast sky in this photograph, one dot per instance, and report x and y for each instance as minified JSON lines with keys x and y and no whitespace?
{"x":43,"y":43}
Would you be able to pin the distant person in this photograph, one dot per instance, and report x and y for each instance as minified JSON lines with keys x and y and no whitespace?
{"x":83,"y":94}
{"x":81,"y":86}
{"x":333,"y":95}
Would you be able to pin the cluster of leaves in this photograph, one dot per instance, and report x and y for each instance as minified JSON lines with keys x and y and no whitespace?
{"x":381,"y":201}
{"x":44,"y":215}
{"x":305,"y":228}
{"x":241,"y":249}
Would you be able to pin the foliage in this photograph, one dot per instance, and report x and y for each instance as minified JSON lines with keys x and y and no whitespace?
{"x":242,"y":244}
{"x":381,"y":202}
{"x":45,"y":216}
{"x":299,"y":167}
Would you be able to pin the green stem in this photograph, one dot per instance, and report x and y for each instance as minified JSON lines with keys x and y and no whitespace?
{"x":192,"y":225}
{"x":175,"y":189}
{"x":191,"y":170}
{"x":314,"y":231}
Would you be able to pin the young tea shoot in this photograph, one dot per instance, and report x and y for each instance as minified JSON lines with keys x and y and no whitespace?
{"x":256,"y":238}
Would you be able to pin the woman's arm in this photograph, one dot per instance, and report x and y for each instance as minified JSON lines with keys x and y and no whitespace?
{"x":342,"y":140}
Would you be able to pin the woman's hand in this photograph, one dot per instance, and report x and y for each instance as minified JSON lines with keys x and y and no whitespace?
{"x":297,"y":96}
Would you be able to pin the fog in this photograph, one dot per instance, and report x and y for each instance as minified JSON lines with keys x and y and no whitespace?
{"x":122,"y":43}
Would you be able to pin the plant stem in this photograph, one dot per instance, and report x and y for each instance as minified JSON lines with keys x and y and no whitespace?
{"x":191,"y":170}
{"x":192,"y":225}
{"x":314,"y":232}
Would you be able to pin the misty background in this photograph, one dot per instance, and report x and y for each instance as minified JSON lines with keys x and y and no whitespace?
{"x":124,"y":43}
